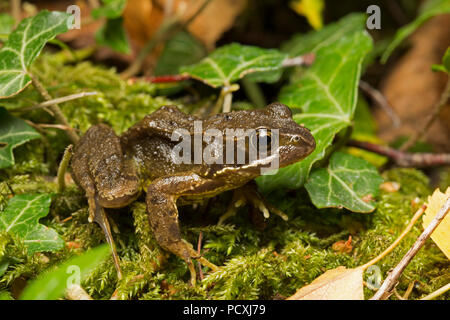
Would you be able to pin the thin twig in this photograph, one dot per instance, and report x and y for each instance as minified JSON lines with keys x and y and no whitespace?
{"x":56,"y":101}
{"x":431,"y":118}
{"x":55,"y":109}
{"x":437,"y":293}
{"x":404,"y":159}
{"x":199,"y":248}
{"x":16,"y":10}
{"x":63,"y":168}
{"x":409,"y":290}
{"x":381,"y":101}
{"x":303,"y":60}
{"x":390,"y":282}
{"x":169,"y":28}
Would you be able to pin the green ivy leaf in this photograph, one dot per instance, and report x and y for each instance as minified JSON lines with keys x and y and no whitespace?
{"x":183,"y":49}
{"x":6,"y":23}
{"x":23,"y":46}
{"x":21,"y":218}
{"x":428,"y":10}
{"x":13,"y":133}
{"x":113,"y":35}
{"x":232,"y":62}
{"x":348,"y":182}
{"x":51,"y":285}
{"x":111,"y":9}
{"x":326,"y":93}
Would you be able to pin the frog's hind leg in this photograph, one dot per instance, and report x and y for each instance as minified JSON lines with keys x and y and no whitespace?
{"x":109,"y":180}
{"x":98,"y":214}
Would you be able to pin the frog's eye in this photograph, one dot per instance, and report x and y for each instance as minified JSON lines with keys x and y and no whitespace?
{"x":262,"y":139}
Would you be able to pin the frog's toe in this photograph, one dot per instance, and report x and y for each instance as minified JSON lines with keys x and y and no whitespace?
{"x":249,"y":194}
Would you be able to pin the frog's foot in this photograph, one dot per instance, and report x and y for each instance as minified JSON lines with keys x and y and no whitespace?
{"x":195,"y":255}
{"x":98,"y":214}
{"x":249,"y":194}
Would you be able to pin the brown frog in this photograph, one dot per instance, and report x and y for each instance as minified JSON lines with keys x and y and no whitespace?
{"x":113,"y":170}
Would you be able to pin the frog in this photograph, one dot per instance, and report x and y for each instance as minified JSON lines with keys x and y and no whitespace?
{"x":113,"y":170}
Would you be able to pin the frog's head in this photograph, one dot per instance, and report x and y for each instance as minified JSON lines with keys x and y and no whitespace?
{"x":271,"y":128}
{"x":295,"y":141}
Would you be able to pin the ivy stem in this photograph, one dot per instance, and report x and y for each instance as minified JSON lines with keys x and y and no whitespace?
{"x":389,"y":283}
{"x":63,"y":168}
{"x":389,"y":249}
{"x":404,"y":159}
{"x":431,"y":118}
{"x":54,"y":108}
{"x":254,"y":93}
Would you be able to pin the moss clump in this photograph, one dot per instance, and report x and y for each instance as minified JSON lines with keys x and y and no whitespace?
{"x":258,"y":259}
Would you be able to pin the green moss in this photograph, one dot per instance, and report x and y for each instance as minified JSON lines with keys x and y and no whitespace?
{"x":258,"y":259}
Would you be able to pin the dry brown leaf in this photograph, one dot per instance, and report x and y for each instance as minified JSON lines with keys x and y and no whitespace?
{"x":335,"y":284}
{"x":441,"y":235}
{"x":142,"y":18}
{"x":412,"y":88}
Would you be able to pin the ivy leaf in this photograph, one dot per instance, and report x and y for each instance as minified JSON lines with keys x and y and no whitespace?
{"x":113,"y":35}
{"x":21,"y":218}
{"x":428,"y":10}
{"x":13,"y":133}
{"x":183,"y":49}
{"x":51,"y":285}
{"x":326,"y":93}
{"x":348,"y":182}
{"x":111,"y":9}
{"x":6,"y":23}
{"x":23,"y":46}
{"x":445,"y":66}
{"x":232,"y":62}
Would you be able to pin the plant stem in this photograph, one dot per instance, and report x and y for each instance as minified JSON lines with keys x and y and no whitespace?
{"x":431,"y":118}
{"x":63,"y":168}
{"x":56,"y":101}
{"x":381,"y":101}
{"x":404,"y":159}
{"x":254,"y":93}
{"x":437,"y":293}
{"x":389,"y":249}
{"x":54,"y":108}
{"x":16,"y":10}
{"x":389,"y":283}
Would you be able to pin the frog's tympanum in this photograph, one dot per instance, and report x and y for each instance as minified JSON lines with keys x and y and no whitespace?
{"x":113,"y":170}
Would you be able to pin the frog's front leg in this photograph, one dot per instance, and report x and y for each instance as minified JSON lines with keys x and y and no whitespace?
{"x":162,"y":195}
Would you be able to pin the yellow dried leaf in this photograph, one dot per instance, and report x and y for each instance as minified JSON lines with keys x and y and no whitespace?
{"x":335,"y":284}
{"x":311,"y":9}
{"x":441,"y":236}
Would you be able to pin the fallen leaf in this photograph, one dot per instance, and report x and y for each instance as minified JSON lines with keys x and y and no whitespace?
{"x":335,"y":284}
{"x":311,"y":9}
{"x":441,"y":235}
{"x":412,"y":88}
